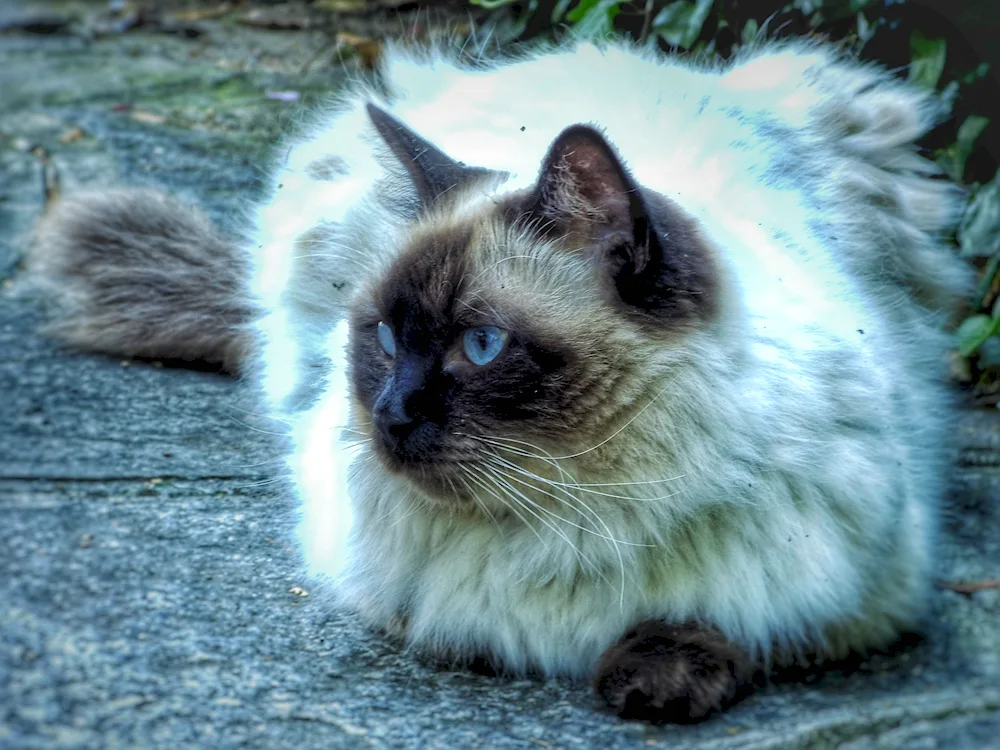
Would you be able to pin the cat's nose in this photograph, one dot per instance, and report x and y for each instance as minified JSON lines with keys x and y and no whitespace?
{"x":400,"y":412}
{"x":394,"y":423}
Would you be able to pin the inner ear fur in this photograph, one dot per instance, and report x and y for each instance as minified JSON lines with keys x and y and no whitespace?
{"x":586,"y":191}
{"x":651,"y":253}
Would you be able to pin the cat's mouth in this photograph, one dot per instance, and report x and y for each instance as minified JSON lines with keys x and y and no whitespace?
{"x":479,"y":475}
{"x":441,"y":477}
{"x":465,"y":470}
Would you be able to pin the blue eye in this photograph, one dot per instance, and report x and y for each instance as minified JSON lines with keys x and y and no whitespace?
{"x":386,"y":339}
{"x":482,"y":345}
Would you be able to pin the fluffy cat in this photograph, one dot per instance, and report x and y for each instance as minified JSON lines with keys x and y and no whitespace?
{"x":599,"y":363}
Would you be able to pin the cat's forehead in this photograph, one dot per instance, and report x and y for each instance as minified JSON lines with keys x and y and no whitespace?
{"x":428,"y":273}
{"x":477,"y":263}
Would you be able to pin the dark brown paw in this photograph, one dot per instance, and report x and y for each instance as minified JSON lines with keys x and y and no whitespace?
{"x":672,"y":674}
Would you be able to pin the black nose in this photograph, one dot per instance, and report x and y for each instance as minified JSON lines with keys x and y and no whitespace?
{"x":393,"y":422}
{"x":403,"y":411}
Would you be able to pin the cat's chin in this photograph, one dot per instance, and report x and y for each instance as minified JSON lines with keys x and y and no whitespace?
{"x":438,"y":483}
{"x":439,"y":495}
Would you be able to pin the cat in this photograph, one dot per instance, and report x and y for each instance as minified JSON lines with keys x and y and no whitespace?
{"x":599,"y":362}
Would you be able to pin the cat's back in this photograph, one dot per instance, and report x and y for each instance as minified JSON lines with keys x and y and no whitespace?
{"x":790,"y":137}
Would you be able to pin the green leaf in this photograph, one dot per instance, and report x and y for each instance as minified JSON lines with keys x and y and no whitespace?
{"x":593,"y":18}
{"x":986,"y":279}
{"x":807,"y":6}
{"x":973,"y":332}
{"x":680,"y":23}
{"x":952,"y":159}
{"x":988,"y":355}
{"x":866,"y":29}
{"x":948,"y":96}
{"x":971,"y":129}
{"x":580,"y":11}
{"x":749,"y":34}
{"x":672,"y":20}
{"x":927,"y":61}
{"x":980,"y":72}
{"x":511,"y":26}
{"x":492,"y":4}
{"x":979,"y":231}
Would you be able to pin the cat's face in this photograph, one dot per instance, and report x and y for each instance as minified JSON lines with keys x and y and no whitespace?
{"x":517,"y":328}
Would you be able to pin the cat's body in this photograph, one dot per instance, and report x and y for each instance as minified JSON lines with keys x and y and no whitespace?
{"x":747,"y":441}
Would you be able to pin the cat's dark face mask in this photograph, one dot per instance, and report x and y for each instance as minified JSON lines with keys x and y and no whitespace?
{"x":438,"y":375}
{"x":442,"y":375}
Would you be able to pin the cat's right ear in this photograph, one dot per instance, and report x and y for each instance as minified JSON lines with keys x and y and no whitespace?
{"x":433,"y":172}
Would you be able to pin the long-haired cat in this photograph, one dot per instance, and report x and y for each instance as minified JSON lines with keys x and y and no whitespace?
{"x":599,"y":363}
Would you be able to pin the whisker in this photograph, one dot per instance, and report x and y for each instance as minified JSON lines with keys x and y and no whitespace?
{"x":504,"y":260}
{"x":355,"y":432}
{"x":562,"y":501}
{"x":474,"y":309}
{"x":329,"y":256}
{"x":546,"y":459}
{"x":496,"y":313}
{"x":263,"y":483}
{"x":260,"y":416}
{"x":530,"y":505}
{"x":480,"y":504}
{"x":585,"y":488}
{"x":618,"y":431}
{"x":258,"y":429}
{"x":613,"y":435}
{"x":510,"y":488}
{"x":403,"y":517}
{"x":485,"y":485}
{"x":274,"y":460}
{"x":608,"y":536}
{"x":352,"y":446}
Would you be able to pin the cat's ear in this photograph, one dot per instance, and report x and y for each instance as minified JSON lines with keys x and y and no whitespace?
{"x":589,"y":195}
{"x":651,"y":252}
{"x":433,"y":172}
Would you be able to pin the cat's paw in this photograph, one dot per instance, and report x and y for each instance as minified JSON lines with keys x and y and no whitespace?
{"x":672,"y":674}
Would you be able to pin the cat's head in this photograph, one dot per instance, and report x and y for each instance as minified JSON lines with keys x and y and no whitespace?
{"x":515,"y":328}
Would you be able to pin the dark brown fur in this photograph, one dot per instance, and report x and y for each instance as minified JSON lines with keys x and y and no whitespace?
{"x":139,"y":274}
{"x":433,"y":173}
{"x":430,"y":381}
{"x":658,"y":267}
{"x":672,"y":674}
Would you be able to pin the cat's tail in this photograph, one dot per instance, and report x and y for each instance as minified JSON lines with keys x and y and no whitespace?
{"x":135,"y":273}
{"x":900,"y":210}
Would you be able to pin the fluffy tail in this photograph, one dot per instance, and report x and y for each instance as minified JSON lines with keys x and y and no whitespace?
{"x":136,"y":273}
{"x":904,"y":210}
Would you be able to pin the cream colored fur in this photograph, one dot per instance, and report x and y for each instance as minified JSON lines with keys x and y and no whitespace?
{"x":777,"y":473}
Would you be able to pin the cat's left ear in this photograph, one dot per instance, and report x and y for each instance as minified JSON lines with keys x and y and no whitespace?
{"x":433,"y":172}
{"x":651,"y":252}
